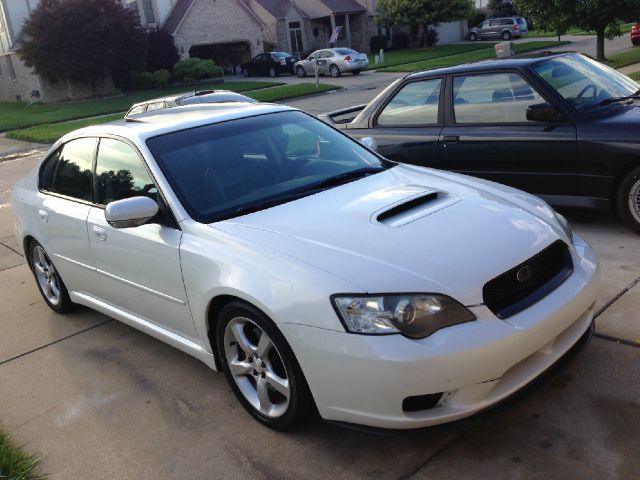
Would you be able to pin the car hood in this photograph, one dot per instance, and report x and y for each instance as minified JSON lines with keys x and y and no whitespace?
{"x":408,"y":229}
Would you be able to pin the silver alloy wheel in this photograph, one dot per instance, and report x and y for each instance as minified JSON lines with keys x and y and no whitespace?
{"x":46,"y":275}
{"x":634,"y":200}
{"x":272,"y":72}
{"x":334,"y":71}
{"x":257,"y":367}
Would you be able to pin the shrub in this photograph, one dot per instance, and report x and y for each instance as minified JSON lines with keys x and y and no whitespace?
{"x":142,"y":80}
{"x":476,"y":18}
{"x":161,"y":77}
{"x":269,"y":46}
{"x":377,"y":42}
{"x":400,"y":40}
{"x":162,"y":52}
{"x":431,"y":37}
{"x":192,"y":69}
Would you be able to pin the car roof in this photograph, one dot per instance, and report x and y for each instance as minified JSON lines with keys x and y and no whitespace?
{"x":517,"y":62}
{"x":170,"y":120}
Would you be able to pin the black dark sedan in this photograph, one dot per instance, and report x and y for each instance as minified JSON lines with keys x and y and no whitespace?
{"x":564,"y":127}
{"x":270,"y":63}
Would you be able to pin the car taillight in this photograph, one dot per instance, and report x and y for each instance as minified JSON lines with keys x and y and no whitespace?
{"x":347,"y":58}
{"x":517,"y":27}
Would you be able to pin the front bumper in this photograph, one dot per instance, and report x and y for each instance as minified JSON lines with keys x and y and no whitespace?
{"x":359,"y":379}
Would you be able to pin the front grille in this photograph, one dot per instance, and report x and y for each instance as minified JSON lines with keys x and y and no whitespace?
{"x":529,"y":282}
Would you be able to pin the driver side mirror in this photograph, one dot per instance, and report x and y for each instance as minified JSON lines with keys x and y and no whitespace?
{"x":130,"y":212}
{"x":543,"y":112}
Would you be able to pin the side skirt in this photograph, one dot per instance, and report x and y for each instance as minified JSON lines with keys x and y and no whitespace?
{"x":149,"y":328}
{"x":575,"y":201}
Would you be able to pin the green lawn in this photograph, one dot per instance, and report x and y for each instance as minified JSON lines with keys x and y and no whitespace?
{"x":475,"y":56}
{"x":16,"y":464}
{"x":408,"y":55}
{"x":19,"y":115}
{"x":635,"y":76}
{"x":50,"y":132}
{"x":624,"y":58}
{"x":626,"y":28}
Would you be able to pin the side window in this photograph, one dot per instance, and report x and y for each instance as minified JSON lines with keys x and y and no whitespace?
{"x":492,"y":98}
{"x":508,"y":21}
{"x":120,"y":173}
{"x":156,"y":106}
{"x":415,"y":104}
{"x":47,"y":170}
{"x":137,"y":110}
{"x":72,"y":175}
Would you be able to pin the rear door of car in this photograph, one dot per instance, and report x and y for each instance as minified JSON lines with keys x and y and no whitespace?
{"x":408,"y":124}
{"x":487,"y":134}
{"x":139,"y":268}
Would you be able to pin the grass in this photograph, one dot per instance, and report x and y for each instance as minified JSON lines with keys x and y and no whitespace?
{"x":19,"y":115}
{"x":626,"y":28}
{"x":635,"y":76}
{"x":409,"y":55}
{"x":624,"y":58}
{"x":15,"y":463}
{"x":50,"y":132}
{"x":475,"y":56}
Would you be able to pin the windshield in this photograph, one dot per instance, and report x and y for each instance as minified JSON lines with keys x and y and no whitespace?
{"x":228,"y":169}
{"x":583,"y":82}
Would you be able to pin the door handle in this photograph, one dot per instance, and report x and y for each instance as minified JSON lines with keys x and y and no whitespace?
{"x":100,"y":232}
{"x":451,"y":138}
{"x":44,"y":215}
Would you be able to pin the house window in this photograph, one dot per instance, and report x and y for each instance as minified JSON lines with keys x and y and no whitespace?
{"x":148,"y":11}
{"x":12,"y":73}
{"x":295,"y":37}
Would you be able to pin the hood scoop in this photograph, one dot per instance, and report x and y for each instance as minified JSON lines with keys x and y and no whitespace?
{"x":413,"y":208}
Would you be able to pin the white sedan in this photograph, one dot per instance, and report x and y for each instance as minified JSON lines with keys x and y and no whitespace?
{"x":313,"y":272}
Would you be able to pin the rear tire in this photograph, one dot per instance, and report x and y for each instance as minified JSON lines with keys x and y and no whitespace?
{"x":245,"y":72}
{"x":300,"y":71}
{"x":334,"y":71}
{"x":356,"y":72}
{"x":272,"y":72}
{"x":506,"y":36}
{"x":636,"y":42}
{"x":48,"y":280}
{"x":261,"y":367}
{"x":473,"y":37}
{"x":628,"y":199}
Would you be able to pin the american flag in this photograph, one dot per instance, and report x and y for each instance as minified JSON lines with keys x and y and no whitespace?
{"x":334,"y":35}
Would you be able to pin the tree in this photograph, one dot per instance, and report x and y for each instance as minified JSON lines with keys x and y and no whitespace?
{"x":601,"y":16}
{"x":500,"y":8}
{"x":548,"y":15}
{"x":422,"y":13}
{"x":82,"y":41}
{"x":162,"y":53}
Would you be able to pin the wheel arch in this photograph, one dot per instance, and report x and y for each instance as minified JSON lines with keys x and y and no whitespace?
{"x":619,"y":177}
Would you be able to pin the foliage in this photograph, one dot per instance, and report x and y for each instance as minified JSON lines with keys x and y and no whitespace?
{"x":192,"y":69}
{"x":269,"y":46}
{"x":162,"y":53}
{"x":476,"y":18}
{"x":400,"y":40}
{"x":82,"y":41}
{"x":377,"y":42}
{"x":161,"y":78}
{"x":424,"y":13}
{"x":500,"y":8}
{"x":142,"y":80}
{"x":14,"y":462}
{"x":432,"y":37}
{"x":604,"y":17}
{"x":409,"y":55}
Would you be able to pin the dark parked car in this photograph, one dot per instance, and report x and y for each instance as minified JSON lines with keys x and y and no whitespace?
{"x":564,"y":127}
{"x":189,"y":98}
{"x":270,"y":63}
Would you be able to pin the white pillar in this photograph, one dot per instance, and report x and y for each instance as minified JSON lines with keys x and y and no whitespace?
{"x":348,"y":27}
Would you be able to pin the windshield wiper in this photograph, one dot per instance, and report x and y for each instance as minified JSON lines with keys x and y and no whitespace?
{"x":344,"y":178}
{"x":609,"y":101}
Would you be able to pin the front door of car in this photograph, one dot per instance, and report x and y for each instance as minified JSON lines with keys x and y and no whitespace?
{"x":323,"y":61}
{"x":139,"y":267}
{"x":408,"y":126}
{"x":489,"y":136}
{"x":65,"y":197}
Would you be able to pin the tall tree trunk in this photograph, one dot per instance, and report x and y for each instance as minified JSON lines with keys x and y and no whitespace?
{"x":600,"y":44}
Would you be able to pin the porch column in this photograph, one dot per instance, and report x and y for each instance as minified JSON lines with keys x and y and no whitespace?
{"x":348,"y":27}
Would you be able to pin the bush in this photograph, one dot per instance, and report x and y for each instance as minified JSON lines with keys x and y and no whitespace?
{"x":192,"y":69}
{"x":476,"y":19}
{"x":162,"y":53}
{"x":161,"y":78}
{"x":142,"y":80}
{"x":377,"y":42}
{"x":400,"y":40}
{"x":269,"y":46}
{"x":431,"y":37}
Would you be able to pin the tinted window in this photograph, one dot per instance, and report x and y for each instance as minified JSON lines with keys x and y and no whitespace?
{"x":47,"y":170}
{"x":492,"y":98}
{"x":229,"y":169}
{"x":120,"y":173}
{"x":415,"y":104}
{"x":521,"y":21}
{"x":508,"y":21}
{"x":73,"y":169}
{"x":156,"y":106}
{"x":137,"y":110}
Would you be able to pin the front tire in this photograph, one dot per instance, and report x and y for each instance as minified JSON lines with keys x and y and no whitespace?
{"x":300,"y":71}
{"x":506,"y":36}
{"x":48,"y":280}
{"x":261,"y":367}
{"x":628,"y":199}
{"x":356,"y":72}
{"x":473,"y":37}
{"x":245,"y":72}
{"x":334,"y":71}
{"x":272,"y":72}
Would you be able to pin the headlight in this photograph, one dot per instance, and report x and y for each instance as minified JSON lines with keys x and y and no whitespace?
{"x":414,"y":315}
{"x":566,"y":227}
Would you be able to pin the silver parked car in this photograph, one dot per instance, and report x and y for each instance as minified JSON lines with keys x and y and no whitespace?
{"x":332,"y":61}
{"x":505,"y":28}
